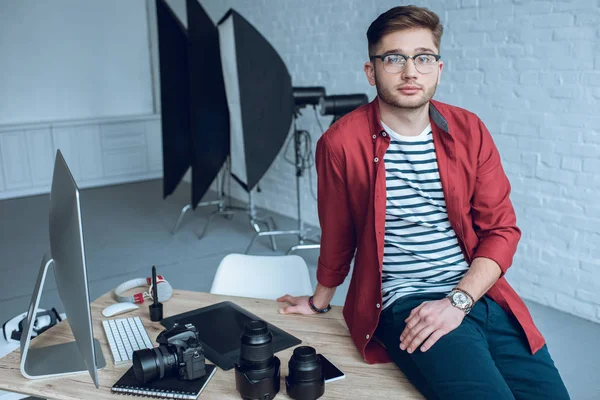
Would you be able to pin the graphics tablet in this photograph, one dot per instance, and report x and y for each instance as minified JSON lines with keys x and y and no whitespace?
{"x":220,"y":327}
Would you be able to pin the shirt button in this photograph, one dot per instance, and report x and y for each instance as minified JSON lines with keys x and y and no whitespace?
{"x":376,"y":159}
{"x":378,"y":305}
{"x":383,"y":134}
{"x":368,"y":336}
{"x":374,"y":136}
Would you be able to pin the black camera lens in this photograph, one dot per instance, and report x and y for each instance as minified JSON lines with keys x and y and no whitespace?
{"x":153,"y":364}
{"x":257,"y":372}
{"x":256,"y":352}
{"x":179,"y":353}
{"x":305,"y":380}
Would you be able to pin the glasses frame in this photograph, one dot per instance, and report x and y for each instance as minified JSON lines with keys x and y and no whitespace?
{"x":383,"y":56}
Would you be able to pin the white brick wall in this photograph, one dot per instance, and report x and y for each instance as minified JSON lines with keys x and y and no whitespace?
{"x":530,"y":70}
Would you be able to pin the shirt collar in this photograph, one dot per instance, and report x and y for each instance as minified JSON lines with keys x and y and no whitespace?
{"x":435,"y":117}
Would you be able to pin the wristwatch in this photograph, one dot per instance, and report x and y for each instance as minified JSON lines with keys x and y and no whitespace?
{"x":461,"y":300}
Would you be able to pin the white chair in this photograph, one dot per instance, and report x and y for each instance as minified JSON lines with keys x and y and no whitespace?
{"x":264,"y":277}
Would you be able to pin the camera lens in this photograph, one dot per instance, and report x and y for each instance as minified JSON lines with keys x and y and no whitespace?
{"x":257,"y":373}
{"x":156,"y":363}
{"x":306,"y":380}
{"x":256,"y":352}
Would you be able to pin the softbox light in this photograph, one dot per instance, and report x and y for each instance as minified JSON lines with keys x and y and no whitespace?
{"x":174,"y":97}
{"x":259,"y":95}
{"x":209,"y":114}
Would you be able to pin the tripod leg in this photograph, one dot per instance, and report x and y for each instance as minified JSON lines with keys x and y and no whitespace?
{"x":251,"y":243}
{"x":271,"y":226}
{"x":273,"y":223}
{"x":254,"y":222}
{"x":302,"y":247}
{"x":210,"y":218}
{"x":183,"y":211}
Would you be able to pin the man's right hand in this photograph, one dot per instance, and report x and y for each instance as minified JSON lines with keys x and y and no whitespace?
{"x":298,"y":305}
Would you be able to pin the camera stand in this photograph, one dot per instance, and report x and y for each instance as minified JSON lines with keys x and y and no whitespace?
{"x":229,"y":211}
{"x":304,"y":243}
{"x":220,"y":203}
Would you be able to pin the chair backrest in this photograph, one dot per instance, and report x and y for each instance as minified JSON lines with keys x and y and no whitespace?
{"x":264,"y":277}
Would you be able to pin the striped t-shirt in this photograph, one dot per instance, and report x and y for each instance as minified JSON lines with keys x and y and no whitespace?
{"x":421,"y":252}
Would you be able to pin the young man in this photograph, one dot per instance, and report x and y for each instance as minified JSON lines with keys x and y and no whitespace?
{"x":415,"y":187}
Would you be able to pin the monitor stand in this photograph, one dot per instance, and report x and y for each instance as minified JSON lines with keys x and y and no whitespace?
{"x":56,"y":360}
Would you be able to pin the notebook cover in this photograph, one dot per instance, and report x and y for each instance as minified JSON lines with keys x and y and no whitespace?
{"x":163,"y":388}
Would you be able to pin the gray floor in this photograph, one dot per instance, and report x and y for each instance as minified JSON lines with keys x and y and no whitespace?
{"x":127,"y":230}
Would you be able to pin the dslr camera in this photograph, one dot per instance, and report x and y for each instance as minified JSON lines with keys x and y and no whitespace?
{"x":179,"y":354}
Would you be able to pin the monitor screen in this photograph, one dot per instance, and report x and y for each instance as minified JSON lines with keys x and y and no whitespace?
{"x":68,"y":253}
{"x":67,"y":257}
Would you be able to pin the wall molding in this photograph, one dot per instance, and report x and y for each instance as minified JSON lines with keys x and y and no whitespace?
{"x":99,"y":152}
{"x":76,"y":122}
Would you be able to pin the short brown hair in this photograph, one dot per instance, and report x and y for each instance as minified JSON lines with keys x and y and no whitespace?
{"x":404,"y":17}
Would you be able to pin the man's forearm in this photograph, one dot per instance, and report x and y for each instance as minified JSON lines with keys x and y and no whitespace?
{"x":323,"y":295}
{"x":480,"y":277}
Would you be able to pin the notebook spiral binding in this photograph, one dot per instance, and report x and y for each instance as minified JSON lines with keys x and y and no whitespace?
{"x":156,"y":393}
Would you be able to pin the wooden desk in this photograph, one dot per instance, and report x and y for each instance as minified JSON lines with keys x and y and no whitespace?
{"x":327,"y":333}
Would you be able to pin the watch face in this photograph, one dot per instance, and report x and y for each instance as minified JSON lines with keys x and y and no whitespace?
{"x":460,"y":299}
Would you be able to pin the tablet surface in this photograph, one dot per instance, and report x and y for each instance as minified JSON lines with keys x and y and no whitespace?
{"x":220,"y":327}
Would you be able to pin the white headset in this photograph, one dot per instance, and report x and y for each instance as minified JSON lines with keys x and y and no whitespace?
{"x":165,"y":291}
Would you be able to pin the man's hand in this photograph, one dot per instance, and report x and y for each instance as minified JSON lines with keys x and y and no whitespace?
{"x":299,"y":305}
{"x":431,"y":320}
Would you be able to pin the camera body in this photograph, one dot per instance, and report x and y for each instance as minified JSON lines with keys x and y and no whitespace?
{"x":179,"y":354}
{"x":183,"y":340}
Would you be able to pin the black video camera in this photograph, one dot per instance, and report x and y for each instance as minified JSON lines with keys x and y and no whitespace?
{"x":179,"y":353}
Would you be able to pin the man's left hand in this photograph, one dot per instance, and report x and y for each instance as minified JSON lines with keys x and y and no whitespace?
{"x":431,"y":320}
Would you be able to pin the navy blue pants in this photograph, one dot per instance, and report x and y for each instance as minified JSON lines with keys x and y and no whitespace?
{"x":486,"y":357}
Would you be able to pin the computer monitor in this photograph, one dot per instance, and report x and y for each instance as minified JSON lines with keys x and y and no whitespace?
{"x":67,"y":256}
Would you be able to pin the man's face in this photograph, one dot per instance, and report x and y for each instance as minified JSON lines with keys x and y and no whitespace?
{"x":408,"y":89}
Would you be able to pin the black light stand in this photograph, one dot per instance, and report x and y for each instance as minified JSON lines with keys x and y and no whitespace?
{"x":220,"y":202}
{"x":301,"y":232}
{"x":228,"y":211}
{"x":336,"y":105}
{"x":302,"y":97}
{"x":195,"y":114}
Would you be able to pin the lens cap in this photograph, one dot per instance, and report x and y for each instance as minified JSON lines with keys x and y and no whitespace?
{"x":305,"y":380}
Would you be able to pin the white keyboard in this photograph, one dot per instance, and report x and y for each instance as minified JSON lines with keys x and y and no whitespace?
{"x":126,"y":335}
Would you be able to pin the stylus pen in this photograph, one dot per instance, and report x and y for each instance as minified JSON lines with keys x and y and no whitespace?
{"x":155,"y":287}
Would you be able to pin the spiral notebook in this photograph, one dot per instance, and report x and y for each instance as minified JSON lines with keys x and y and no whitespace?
{"x":166,"y":388}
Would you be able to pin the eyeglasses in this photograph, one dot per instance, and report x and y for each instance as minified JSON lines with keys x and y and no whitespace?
{"x":395,"y":63}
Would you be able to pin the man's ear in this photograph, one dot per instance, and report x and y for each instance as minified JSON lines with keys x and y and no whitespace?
{"x":370,"y":72}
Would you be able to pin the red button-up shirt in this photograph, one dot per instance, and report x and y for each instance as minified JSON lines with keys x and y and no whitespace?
{"x":352,"y":208}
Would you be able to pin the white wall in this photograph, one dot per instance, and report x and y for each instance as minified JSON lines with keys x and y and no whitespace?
{"x":80,"y":77}
{"x":69,"y":59}
{"x":530,"y":70}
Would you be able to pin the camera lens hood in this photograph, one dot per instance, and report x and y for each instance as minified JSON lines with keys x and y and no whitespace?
{"x":262,"y":389}
{"x":306,"y":380}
